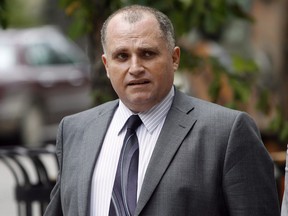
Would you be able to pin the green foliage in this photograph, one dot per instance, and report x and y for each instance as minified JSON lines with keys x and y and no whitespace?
{"x":18,"y":13}
{"x":279,"y":126}
{"x":189,"y":60}
{"x":101,"y":95}
{"x":263,"y":101}
{"x":81,"y":12}
{"x":86,"y":13}
{"x":3,"y":14}
{"x":241,"y":77}
{"x":209,"y":17}
{"x":215,"y":86}
{"x":243,"y":67}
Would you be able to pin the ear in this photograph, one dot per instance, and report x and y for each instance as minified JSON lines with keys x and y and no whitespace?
{"x":105,"y":62}
{"x":176,"y":57}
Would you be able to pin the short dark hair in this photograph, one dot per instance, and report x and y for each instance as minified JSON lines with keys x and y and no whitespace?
{"x":134,"y":13}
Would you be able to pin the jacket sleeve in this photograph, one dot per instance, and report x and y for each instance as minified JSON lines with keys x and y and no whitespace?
{"x":54,"y":208}
{"x":248,"y":173}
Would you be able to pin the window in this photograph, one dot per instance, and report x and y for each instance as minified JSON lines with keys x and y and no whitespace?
{"x":44,"y":54}
{"x":7,"y":57}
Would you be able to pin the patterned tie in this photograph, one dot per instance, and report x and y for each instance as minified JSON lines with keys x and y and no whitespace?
{"x":124,"y":195}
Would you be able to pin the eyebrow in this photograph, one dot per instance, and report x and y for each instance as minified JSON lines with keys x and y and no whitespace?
{"x":149,"y":48}
{"x":143,"y":48}
{"x":119,"y":49}
{"x":115,"y":52}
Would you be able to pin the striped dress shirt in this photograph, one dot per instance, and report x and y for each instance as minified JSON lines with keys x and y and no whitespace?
{"x":106,"y":165}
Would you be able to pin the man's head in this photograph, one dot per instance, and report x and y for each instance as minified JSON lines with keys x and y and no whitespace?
{"x":140,"y":56}
{"x":134,"y":13}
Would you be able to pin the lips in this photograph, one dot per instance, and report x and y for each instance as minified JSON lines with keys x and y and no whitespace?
{"x":138,"y":82}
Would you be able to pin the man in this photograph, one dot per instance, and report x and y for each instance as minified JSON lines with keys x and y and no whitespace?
{"x":195,"y":157}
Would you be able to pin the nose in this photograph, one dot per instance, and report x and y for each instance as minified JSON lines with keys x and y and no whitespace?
{"x":136,"y":66}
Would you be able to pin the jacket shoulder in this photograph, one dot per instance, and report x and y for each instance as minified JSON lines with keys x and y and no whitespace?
{"x":90,"y":114}
{"x":202,"y":107}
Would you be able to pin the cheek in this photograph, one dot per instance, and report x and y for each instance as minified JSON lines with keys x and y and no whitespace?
{"x":113,"y":72}
{"x":117,"y":70}
{"x":167,"y":73}
{"x":116,"y":79}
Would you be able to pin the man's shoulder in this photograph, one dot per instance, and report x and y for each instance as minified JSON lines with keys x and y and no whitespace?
{"x":203,"y":106}
{"x":208,"y":106}
{"x":92,"y":113}
{"x":211,"y":113}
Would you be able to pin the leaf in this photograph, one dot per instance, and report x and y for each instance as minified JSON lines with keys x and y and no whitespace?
{"x":66,"y":3}
{"x":243,"y":66}
{"x":284,"y":132}
{"x":72,"y":8}
{"x":187,"y":3}
{"x":241,"y":90}
{"x":276,"y":123}
{"x":76,"y":30}
{"x":3,"y":15}
{"x":215,"y":87}
{"x":263,"y":102}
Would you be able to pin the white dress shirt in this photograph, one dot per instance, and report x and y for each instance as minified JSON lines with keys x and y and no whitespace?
{"x":106,"y":165}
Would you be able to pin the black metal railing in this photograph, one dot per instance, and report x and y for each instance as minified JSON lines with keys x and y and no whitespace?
{"x":28,"y":190}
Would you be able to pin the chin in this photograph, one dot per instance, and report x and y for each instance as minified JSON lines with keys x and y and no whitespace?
{"x":139,"y":104}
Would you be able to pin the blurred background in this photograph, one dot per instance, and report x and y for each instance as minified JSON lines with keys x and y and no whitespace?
{"x":234,"y":53}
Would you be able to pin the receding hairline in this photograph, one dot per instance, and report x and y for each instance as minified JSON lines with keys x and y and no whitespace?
{"x":132,"y":17}
{"x":131,"y":20}
{"x":135,"y":13}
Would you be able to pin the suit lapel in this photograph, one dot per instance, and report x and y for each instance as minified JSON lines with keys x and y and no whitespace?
{"x":179,"y":122}
{"x":94,"y":134}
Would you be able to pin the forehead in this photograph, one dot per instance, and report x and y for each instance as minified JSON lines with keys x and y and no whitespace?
{"x":132,"y":17}
{"x":145,"y":25}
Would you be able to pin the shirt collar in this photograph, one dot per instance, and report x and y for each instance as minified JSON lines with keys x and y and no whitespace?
{"x":150,"y":118}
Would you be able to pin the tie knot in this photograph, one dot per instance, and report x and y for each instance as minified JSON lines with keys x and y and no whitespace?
{"x":134,"y":122}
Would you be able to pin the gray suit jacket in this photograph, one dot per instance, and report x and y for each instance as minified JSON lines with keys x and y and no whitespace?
{"x":208,"y":161}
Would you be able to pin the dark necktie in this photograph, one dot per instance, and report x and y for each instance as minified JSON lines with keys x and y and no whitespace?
{"x":124,"y":195}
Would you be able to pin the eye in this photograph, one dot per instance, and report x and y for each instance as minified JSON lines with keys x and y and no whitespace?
{"x":148,"y":54}
{"x":121,"y":56}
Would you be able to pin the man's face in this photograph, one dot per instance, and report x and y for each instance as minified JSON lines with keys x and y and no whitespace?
{"x":138,"y":62}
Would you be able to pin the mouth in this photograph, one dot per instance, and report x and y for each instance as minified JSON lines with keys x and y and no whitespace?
{"x":138,"y":82}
